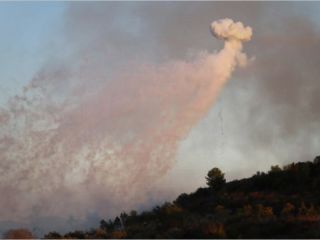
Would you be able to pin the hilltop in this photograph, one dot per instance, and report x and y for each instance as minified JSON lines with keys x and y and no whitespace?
{"x":281,"y":203}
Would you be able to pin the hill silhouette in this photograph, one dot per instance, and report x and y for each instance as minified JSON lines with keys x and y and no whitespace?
{"x":282,"y":203}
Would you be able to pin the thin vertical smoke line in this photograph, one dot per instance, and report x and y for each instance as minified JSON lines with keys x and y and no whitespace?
{"x":222,"y":142}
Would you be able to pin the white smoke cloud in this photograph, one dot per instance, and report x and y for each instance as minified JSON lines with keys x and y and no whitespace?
{"x":228,"y":29}
{"x":105,"y":148}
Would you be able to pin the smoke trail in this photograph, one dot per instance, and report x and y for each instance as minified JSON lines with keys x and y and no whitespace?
{"x":63,"y":154}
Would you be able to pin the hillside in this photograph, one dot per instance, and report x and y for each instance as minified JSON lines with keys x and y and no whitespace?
{"x":282,"y":203}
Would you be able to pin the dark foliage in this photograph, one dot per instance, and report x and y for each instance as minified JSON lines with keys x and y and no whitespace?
{"x":282,"y":203}
{"x":215,"y":179}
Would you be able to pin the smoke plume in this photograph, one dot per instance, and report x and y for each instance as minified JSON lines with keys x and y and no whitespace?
{"x":229,"y":30}
{"x":67,"y":149}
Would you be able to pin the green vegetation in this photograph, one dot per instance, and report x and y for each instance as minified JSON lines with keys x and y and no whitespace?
{"x":282,"y":203}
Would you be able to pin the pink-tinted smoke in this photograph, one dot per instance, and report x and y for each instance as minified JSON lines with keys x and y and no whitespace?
{"x":63,"y":155}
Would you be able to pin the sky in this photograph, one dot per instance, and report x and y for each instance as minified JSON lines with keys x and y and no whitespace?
{"x":97,"y":117}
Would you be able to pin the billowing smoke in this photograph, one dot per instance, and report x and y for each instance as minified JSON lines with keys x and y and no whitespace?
{"x":66,"y":150}
{"x":229,"y":30}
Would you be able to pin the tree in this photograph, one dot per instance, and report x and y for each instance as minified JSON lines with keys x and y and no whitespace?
{"x":316,"y":160}
{"x":53,"y":235}
{"x":18,"y":234}
{"x":103,"y":224}
{"x":213,"y":230}
{"x":133,"y":213}
{"x":274,"y":169}
{"x":124,"y":218}
{"x":288,"y":209}
{"x":75,"y":234}
{"x":263,"y":212}
{"x":247,"y":210}
{"x":117,"y":223}
{"x":303,"y":209}
{"x":215,"y":178}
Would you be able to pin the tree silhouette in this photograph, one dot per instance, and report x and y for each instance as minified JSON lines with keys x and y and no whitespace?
{"x":215,"y":178}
